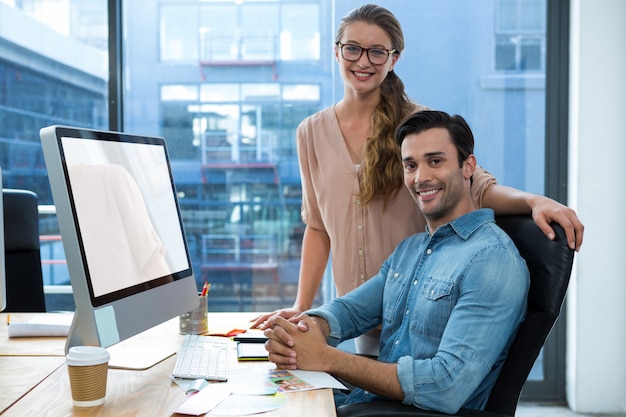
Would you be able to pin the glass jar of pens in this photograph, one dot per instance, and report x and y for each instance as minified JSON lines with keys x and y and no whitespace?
{"x":197,"y":321}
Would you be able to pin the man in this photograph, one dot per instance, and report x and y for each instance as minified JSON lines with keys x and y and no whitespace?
{"x":449,"y":301}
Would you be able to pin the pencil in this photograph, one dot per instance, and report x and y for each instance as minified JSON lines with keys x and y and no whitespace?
{"x":205,"y":289}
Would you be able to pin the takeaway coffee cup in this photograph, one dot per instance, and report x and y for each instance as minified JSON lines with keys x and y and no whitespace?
{"x":87,"y":367}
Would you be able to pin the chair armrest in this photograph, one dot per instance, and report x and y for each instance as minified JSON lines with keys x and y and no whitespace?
{"x":397,"y":409}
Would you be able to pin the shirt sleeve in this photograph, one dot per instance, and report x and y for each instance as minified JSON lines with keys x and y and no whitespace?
{"x":306,"y":157}
{"x":355,"y":313}
{"x":481,"y":180}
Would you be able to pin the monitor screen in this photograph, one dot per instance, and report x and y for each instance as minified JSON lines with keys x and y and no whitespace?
{"x":3,"y":288}
{"x":122,"y":232}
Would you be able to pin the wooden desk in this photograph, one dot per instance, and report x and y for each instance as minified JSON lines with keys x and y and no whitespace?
{"x":25,"y":362}
{"x":147,"y":392}
{"x":20,"y":374}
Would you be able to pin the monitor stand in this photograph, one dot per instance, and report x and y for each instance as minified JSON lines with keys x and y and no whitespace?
{"x":147,"y":348}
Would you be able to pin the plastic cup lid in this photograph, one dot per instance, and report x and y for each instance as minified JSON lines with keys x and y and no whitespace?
{"x":86,"y":355}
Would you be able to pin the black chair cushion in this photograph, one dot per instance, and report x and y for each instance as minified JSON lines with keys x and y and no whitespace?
{"x":550,"y":265}
{"x":24,"y":280}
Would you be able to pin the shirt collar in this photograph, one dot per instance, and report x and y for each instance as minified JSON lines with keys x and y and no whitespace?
{"x":467,"y":224}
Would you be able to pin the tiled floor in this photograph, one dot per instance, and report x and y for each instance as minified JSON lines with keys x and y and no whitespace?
{"x":537,"y":410}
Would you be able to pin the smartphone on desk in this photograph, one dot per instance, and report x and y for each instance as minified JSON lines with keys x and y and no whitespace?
{"x":247,"y":351}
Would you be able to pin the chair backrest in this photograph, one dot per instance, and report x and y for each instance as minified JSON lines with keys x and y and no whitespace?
{"x":24,"y":280}
{"x":550,"y":265}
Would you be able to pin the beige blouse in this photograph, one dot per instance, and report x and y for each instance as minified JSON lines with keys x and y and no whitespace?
{"x":361,"y":236}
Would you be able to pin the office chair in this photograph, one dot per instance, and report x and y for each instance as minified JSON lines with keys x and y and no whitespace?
{"x":24,"y":280}
{"x":550,"y":265}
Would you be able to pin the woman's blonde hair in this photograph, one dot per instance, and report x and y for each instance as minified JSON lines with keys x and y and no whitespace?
{"x":381,"y":169}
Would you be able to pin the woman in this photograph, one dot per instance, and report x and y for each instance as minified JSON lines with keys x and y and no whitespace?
{"x":354,"y":204}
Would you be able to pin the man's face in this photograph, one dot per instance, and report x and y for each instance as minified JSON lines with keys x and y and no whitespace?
{"x":433,"y":176}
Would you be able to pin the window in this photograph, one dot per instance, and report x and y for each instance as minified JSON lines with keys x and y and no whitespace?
{"x":299,"y":36}
{"x":520,"y":35}
{"x":230,"y":32}
{"x":227,"y":82}
{"x":179,"y":42}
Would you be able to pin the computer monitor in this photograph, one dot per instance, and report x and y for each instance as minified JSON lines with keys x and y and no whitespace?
{"x":3,"y":288}
{"x":122,"y":232}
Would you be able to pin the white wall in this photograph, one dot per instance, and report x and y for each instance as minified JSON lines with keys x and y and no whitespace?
{"x":596,"y":341}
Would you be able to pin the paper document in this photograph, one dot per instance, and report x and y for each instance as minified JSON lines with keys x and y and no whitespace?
{"x":205,"y":400}
{"x":42,"y":325}
{"x":238,"y":404}
{"x":259,"y":392}
{"x":289,"y":381}
{"x":225,"y":398}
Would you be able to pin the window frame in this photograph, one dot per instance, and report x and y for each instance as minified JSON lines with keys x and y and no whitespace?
{"x":552,"y":387}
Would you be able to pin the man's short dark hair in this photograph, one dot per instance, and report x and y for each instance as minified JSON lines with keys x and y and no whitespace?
{"x":456,"y":125}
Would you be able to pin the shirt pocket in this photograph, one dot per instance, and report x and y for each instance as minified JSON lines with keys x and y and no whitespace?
{"x":433,"y":307}
{"x":394,"y":295}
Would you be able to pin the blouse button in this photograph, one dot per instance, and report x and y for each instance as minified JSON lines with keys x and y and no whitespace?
{"x":358,"y":202}
{"x":415,"y":282}
{"x":429,"y":251}
{"x":360,"y":251}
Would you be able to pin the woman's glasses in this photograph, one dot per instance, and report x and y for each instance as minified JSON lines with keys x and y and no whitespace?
{"x":353,"y":53}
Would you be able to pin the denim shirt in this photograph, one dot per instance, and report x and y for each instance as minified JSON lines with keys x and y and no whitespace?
{"x":449,"y":305}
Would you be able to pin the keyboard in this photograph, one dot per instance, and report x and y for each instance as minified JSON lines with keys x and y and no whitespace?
{"x":203,"y":357}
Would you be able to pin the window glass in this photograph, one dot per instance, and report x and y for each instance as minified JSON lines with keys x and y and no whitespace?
{"x":179,"y":93}
{"x":53,"y":70}
{"x":301,"y":92}
{"x":219,"y":92}
{"x":520,"y":35}
{"x":259,"y":32}
{"x":227,"y":82}
{"x":299,"y":32}
{"x":260,"y":91}
{"x":230,"y":115}
{"x":218,"y":32}
{"x":179,"y":42}
{"x":243,"y":112}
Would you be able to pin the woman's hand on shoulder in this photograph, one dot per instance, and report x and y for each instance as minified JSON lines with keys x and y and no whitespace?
{"x":545,"y":210}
